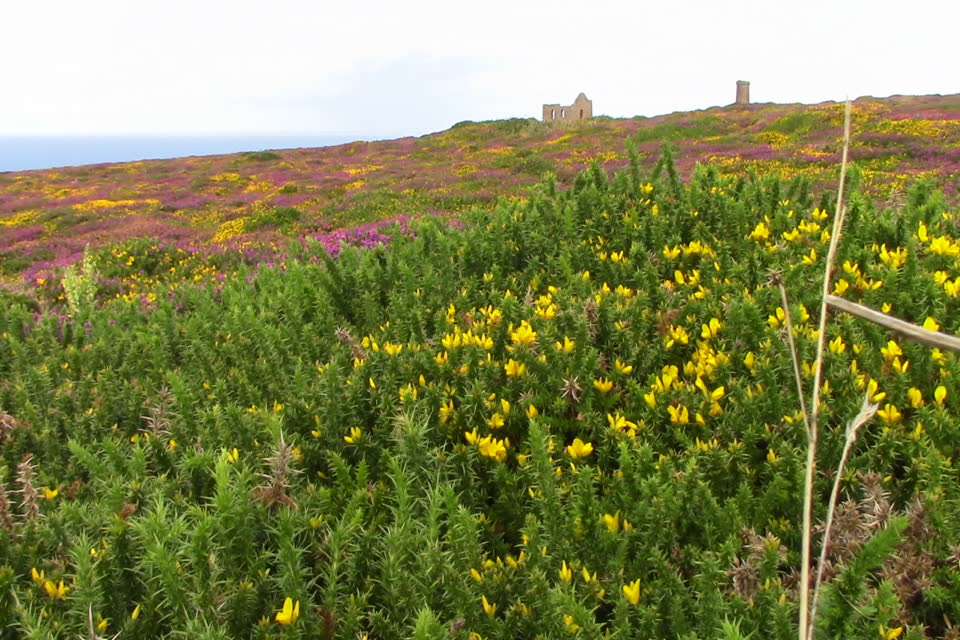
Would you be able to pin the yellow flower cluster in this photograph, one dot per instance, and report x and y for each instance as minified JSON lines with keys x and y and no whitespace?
{"x":20,"y":218}
{"x":229,"y":229}
{"x":488,"y":446}
{"x":93,"y":205}
{"x":363,"y":169}
{"x":228,"y":176}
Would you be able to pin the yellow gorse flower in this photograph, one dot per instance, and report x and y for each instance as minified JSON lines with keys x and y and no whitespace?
{"x":392,"y":348}
{"x":940,"y":394}
{"x":900,"y":366}
{"x":490,"y":447}
{"x":579,"y":449}
{"x":915,"y":397}
{"x":890,"y":414}
{"x":603,"y":385}
{"x":495,"y":421}
{"x":547,"y":312}
{"x":679,"y":414}
{"x":289,"y":613}
{"x":873,"y":394}
{"x":890,"y":634}
{"x":710,"y":329}
{"x":837,"y":345}
{"x":514,"y":369}
{"x":489,"y":609}
{"x":612,"y":522}
{"x":625,"y":369}
{"x":632,"y":591}
{"x":778,"y":318}
{"x":407,"y":392}
{"x":565,"y":573}
{"x":56,"y":591}
{"x":676,"y":335}
{"x":894,"y":258}
{"x":446,"y":410}
{"x":620,"y":423}
{"x":650,"y":398}
{"x":524,"y":334}
{"x":760,"y":232}
{"x":891,"y":351}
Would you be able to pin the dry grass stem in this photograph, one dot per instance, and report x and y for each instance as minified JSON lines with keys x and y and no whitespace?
{"x":806,"y":628}
{"x":906,"y":329}
{"x":866,"y":413}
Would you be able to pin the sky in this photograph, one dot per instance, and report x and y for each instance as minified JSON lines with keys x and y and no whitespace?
{"x":384,"y":69}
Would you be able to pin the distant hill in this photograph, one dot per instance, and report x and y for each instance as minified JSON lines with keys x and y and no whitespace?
{"x":252,"y":202}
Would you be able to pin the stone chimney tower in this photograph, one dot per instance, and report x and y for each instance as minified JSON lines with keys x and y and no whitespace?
{"x":743,"y":92}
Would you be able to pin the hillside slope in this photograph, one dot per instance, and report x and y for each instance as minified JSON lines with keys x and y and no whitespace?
{"x":247,"y":205}
{"x":573,"y":417}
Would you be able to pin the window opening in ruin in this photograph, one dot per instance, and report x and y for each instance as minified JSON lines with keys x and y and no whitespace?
{"x":563,"y":113}
{"x":553,"y":114}
{"x":581,"y":114}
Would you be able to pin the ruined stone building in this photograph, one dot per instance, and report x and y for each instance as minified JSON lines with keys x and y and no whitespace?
{"x":581,"y":109}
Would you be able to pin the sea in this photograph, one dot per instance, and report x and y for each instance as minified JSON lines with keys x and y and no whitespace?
{"x":36,"y":152}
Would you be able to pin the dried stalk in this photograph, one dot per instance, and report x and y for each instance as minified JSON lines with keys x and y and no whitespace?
{"x":908,"y":330}
{"x":867,"y":411}
{"x":806,"y":627}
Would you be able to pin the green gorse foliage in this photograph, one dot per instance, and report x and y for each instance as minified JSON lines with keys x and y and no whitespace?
{"x":573,"y":417}
{"x":80,"y":285}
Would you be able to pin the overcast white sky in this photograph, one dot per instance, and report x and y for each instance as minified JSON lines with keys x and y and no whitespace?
{"x":385,"y":68}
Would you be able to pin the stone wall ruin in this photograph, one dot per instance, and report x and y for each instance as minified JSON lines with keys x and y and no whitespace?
{"x":581,"y":109}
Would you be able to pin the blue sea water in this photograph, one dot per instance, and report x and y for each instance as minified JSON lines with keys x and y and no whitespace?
{"x":20,"y":153}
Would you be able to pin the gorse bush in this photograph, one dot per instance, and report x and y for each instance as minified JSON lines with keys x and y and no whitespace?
{"x":573,"y":417}
{"x":80,"y":285}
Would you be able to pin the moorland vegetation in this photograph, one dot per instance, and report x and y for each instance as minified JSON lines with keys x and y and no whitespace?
{"x":558,"y":404}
